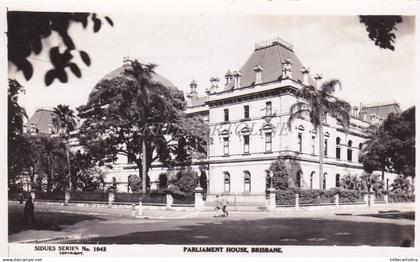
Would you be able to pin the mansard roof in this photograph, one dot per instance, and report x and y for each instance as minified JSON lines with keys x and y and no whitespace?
{"x":270,"y":57}
{"x":380,"y":110}
{"x":41,"y":119}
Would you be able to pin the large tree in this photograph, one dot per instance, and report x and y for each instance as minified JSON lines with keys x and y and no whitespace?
{"x":134,"y":116}
{"x":27,"y":31}
{"x":391,"y":145}
{"x":315,"y":105}
{"x":64,"y":121}
{"x":17,"y":146}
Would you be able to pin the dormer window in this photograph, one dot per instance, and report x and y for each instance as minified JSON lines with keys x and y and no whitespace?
{"x":246,"y":112}
{"x":226,"y":115}
{"x":268,"y":109}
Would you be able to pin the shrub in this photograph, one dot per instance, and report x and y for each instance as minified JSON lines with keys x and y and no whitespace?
{"x":187,"y":181}
{"x":315,"y":196}
{"x":280,"y":175}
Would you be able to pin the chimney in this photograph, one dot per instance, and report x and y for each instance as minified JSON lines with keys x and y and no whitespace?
{"x":258,"y":74}
{"x":214,"y":81}
{"x":193,"y":92}
{"x":318,"y":78}
{"x":355,"y":111}
{"x":237,"y":79}
{"x":228,"y":77}
{"x":287,"y":69}
{"x":305,"y":75}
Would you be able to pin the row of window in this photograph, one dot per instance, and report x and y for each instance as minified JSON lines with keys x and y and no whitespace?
{"x":268,"y":111}
{"x":337,"y":150}
{"x":268,"y":144}
{"x":298,"y":182}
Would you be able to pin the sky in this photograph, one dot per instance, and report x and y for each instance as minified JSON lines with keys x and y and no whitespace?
{"x":201,"y":46}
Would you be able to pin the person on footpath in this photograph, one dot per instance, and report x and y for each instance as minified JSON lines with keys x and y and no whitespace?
{"x":224,"y":206}
{"x":218,"y":206}
{"x":28,"y":211}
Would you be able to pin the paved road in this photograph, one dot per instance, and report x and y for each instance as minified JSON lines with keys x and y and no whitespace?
{"x":347,"y":228}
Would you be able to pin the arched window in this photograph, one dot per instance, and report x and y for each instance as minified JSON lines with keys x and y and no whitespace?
{"x":337,"y":180}
{"x":311,"y":181}
{"x":226,"y":179}
{"x":247,"y":181}
{"x":299,"y":178}
{"x":360,"y":152}
{"x":349,"y":151}
{"x":324,"y":181}
{"x":337,"y":148}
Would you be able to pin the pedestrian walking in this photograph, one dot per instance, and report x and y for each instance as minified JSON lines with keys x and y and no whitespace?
{"x":28,"y":211}
{"x":21,"y":198}
{"x":224,"y":206}
{"x":218,"y":206}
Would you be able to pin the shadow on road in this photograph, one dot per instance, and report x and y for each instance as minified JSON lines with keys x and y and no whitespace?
{"x":54,"y":221}
{"x":268,"y":231}
{"x":393,"y":215}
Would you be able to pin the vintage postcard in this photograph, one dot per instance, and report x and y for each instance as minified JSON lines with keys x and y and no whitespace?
{"x":225,"y":128}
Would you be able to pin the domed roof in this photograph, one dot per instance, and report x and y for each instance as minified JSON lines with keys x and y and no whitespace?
{"x":120,"y":72}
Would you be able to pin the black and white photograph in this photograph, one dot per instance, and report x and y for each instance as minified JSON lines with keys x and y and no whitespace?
{"x":245,"y":132}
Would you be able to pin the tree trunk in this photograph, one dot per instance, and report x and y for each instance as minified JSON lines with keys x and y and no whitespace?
{"x":50,"y":174}
{"x":143,"y":166}
{"x":321,"y":155}
{"x":68,"y":165}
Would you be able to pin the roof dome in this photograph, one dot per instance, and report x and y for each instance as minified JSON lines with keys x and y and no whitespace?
{"x":120,"y":71}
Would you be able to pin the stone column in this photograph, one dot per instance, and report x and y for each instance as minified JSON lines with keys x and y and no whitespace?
{"x":272,"y":199}
{"x":66,"y":198}
{"x":297,"y":201}
{"x":140,"y":209}
{"x":198,"y":198}
{"x":111,"y":198}
{"x":337,"y":200}
{"x":169,"y":200}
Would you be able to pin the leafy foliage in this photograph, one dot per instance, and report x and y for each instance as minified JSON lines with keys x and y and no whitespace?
{"x":27,"y":31}
{"x":391,"y":145}
{"x":401,"y":185}
{"x":17,"y":146}
{"x":371,"y":182}
{"x":280,"y":175}
{"x":381,"y":29}
{"x":132,"y":110}
{"x":350,"y":182}
{"x":188,"y":180}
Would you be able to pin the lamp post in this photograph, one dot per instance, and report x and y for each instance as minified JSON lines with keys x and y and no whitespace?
{"x":198,"y":194}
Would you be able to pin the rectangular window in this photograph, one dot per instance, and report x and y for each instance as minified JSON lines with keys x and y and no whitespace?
{"x":325,"y":147}
{"x":313,"y":145}
{"x":338,"y":152}
{"x":226,"y":114}
{"x":226,"y":145}
{"x":300,"y":142}
{"x":246,"y":144}
{"x":349,"y":155}
{"x":268,"y":142}
{"x":246,"y":112}
{"x":268,"y":109}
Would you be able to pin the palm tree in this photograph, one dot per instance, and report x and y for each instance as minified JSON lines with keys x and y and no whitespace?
{"x":317,"y":104}
{"x":47,"y":150}
{"x":65,"y":123}
{"x":149,"y":98}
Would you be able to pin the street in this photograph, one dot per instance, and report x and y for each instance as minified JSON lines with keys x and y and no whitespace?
{"x":343,"y":227}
